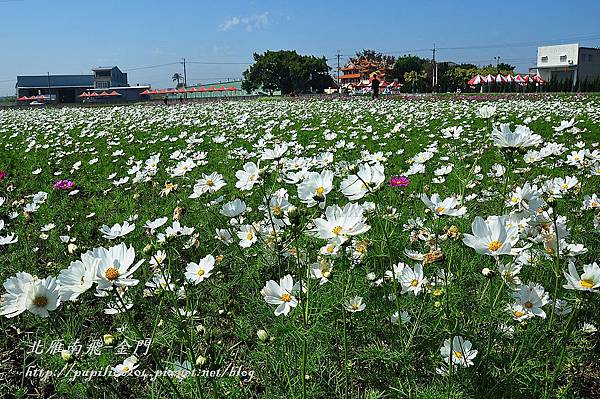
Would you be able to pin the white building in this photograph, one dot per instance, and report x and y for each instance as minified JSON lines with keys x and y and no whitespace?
{"x":568,"y":61}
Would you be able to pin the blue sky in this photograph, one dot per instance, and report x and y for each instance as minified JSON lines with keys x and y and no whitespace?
{"x":68,"y":36}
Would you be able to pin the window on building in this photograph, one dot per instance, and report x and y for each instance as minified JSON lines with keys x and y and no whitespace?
{"x":563,"y":58}
{"x":545,"y":59}
{"x":590,"y":58}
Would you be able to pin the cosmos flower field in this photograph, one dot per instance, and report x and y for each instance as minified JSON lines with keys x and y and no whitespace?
{"x":427,"y":248}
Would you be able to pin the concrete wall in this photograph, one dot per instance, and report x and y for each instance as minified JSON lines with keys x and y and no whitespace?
{"x":550,"y":56}
{"x":589,"y":68}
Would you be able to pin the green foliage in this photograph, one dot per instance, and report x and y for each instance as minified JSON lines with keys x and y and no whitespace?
{"x":287,"y":71}
{"x":408,"y":63}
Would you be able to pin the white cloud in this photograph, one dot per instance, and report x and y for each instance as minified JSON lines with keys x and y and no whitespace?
{"x":256,"y":21}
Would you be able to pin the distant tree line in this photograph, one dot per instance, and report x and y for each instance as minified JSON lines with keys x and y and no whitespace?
{"x":290,"y":72}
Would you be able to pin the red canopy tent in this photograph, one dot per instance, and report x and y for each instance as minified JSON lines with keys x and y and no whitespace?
{"x":114,"y":94}
{"x":538,"y":79}
{"x":24,"y":98}
{"x":202,"y":89}
{"x":94,"y":94}
{"x":163,"y":91}
{"x":519,"y":79}
{"x":191,"y":90}
{"x":222,"y":88}
{"x":145,"y":92}
{"x":103,"y":94}
{"x":181,"y":90}
{"x":232,"y":88}
{"x":500,"y":79}
{"x":84,"y":94}
{"x":476,"y":80}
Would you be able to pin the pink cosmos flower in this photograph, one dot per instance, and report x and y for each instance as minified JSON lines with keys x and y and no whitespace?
{"x":399,"y":181}
{"x":64,"y":185}
{"x":2,"y":175}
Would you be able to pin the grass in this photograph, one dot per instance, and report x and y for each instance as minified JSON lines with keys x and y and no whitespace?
{"x":359,"y":355}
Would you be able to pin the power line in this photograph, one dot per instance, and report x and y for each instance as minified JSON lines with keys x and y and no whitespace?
{"x":150,"y":66}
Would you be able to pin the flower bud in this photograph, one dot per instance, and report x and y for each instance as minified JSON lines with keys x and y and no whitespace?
{"x":262,"y":335}
{"x":108,"y":339}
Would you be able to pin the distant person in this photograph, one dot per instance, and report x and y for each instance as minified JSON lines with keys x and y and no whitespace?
{"x":166,"y":100}
{"x":375,"y":87}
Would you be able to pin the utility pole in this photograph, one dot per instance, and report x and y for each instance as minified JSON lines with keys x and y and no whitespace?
{"x":497,"y":63}
{"x":184,"y":77}
{"x":434,"y":70}
{"x":338,"y":71}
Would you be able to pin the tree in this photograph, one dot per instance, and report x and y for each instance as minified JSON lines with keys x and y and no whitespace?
{"x":288,"y":72}
{"x":415,"y":80}
{"x":178,"y":78}
{"x":374,"y":56}
{"x":408,"y":63}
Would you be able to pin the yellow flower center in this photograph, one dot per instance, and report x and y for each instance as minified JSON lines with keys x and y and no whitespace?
{"x":586,"y":283}
{"x":210,"y":183}
{"x":125,"y":369}
{"x":518,"y":313}
{"x":337,"y":230}
{"x":354,"y":306}
{"x":277,"y":210}
{"x":40,"y":301}
{"x":458,"y":354}
{"x":330,"y":249}
{"x":414,"y":282}
{"x":494,"y":245}
{"x":515,"y":199}
{"x":112,"y":273}
{"x":320,"y":191}
{"x":200,"y":272}
{"x":594,"y":204}
{"x":440,"y":209}
{"x":528,"y":305}
{"x":286,"y":297}
{"x":250,"y":236}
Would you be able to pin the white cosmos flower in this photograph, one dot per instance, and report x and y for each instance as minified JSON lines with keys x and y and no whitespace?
{"x":277,"y":152}
{"x":531,"y":297}
{"x":125,"y":368}
{"x":116,"y":266}
{"x":155,"y":224}
{"x":412,"y":280}
{"x":491,"y":236}
{"x":8,"y":239}
{"x":13,"y":302}
{"x":446,"y":207}
{"x":588,"y":281}
{"x":208,"y":184}
{"x":233,"y":209}
{"x":355,"y":304}
{"x":486,"y":111}
{"x":458,"y":352}
{"x":315,"y":187}
{"x":42,"y":296}
{"x":522,"y":137}
{"x":247,"y":235}
{"x":341,"y":223}
{"x":281,"y":294}
{"x":117,"y":230}
{"x":197,"y":272}
{"x":367,"y":179}
{"x":224,"y":236}
{"x":247,"y":177}
{"x":78,"y":277}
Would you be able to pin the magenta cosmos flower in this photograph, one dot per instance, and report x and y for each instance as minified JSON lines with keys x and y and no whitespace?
{"x":2,"y":175}
{"x":399,"y":181}
{"x":64,"y":185}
